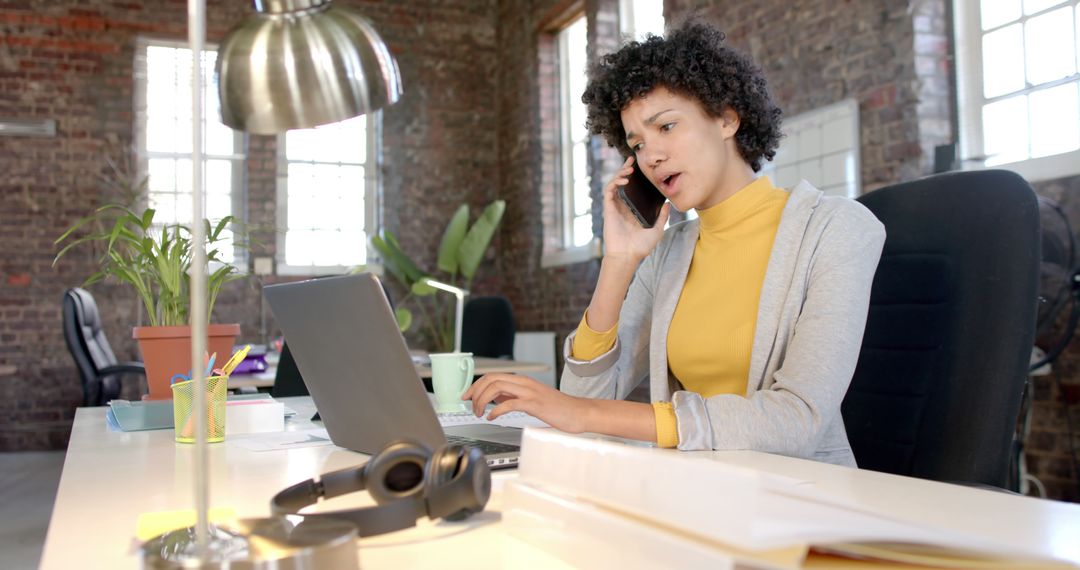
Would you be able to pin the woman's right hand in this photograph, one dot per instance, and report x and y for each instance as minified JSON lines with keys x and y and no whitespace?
{"x":624,"y":238}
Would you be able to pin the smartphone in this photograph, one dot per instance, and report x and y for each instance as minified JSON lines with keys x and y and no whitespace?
{"x":643,"y":199}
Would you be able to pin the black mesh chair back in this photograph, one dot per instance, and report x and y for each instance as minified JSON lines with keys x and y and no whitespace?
{"x":287,"y":379}
{"x":939,"y":381}
{"x":488,"y":328}
{"x":94,"y":358}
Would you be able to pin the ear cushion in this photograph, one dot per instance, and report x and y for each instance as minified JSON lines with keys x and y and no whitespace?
{"x":397,"y":472}
{"x":458,"y":482}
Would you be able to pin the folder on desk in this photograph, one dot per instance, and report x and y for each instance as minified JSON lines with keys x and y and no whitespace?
{"x":140,"y":416}
{"x":144,"y":415}
{"x":717,"y":515}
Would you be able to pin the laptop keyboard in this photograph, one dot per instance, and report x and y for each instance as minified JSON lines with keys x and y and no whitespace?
{"x":468,"y":418}
{"x":488,"y":447}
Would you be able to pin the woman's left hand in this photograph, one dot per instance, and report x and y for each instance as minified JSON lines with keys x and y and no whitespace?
{"x":513,"y":393}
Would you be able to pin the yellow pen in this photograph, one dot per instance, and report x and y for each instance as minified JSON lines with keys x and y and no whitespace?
{"x":235,"y":361}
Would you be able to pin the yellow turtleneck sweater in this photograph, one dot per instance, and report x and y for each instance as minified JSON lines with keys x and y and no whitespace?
{"x":712,"y":332}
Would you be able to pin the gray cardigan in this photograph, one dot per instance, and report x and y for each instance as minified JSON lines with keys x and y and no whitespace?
{"x":810,"y":322}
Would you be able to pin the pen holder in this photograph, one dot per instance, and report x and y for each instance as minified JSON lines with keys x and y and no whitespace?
{"x":184,"y":409}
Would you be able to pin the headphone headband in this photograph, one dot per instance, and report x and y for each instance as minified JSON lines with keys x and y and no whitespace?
{"x":406,"y":480}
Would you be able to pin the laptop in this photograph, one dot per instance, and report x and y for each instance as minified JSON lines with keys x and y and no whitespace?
{"x":354,"y":361}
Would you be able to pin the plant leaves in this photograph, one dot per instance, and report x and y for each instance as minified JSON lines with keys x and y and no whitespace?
{"x":401,"y":259}
{"x":403,"y":317}
{"x":74,"y":228}
{"x":422,"y":289}
{"x":476,"y":241}
{"x":451,"y":240}
{"x":389,"y":261}
{"x":155,"y":260}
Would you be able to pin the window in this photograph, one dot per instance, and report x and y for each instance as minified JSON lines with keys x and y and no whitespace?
{"x":822,"y":147}
{"x":638,"y":18}
{"x":1018,"y":85}
{"x":574,"y":139}
{"x":163,"y":139}
{"x":326,"y":196}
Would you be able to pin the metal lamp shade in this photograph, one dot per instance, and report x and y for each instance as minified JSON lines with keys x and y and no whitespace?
{"x":297,"y":64}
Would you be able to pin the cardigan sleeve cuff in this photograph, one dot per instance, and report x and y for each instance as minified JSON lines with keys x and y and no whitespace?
{"x":695,"y":433}
{"x":667,"y":433}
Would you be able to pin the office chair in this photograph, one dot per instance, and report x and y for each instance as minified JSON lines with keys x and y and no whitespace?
{"x":287,"y":379}
{"x":98,"y":368}
{"x":938,"y":385}
{"x":487,"y":327}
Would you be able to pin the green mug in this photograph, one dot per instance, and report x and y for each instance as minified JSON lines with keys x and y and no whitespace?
{"x":451,"y":375}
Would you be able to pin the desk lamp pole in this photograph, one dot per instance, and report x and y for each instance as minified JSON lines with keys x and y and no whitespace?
{"x":198,"y":316}
{"x":346,"y":70}
{"x":460,"y":294}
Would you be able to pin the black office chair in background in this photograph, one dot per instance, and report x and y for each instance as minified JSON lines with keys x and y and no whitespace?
{"x":488,"y":328}
{"x":287,"y":379}
{"x":99,"y":369}
{"x":939,"y":381}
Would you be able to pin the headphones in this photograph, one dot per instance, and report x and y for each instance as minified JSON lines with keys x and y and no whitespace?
{"x":407,"y":480}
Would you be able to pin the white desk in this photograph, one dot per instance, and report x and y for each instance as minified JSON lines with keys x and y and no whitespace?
{"x":109,"y":478}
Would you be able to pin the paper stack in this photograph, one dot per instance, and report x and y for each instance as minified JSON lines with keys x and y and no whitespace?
{"x":599,"y":503}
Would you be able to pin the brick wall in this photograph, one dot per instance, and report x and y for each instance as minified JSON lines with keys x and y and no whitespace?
{"x":543,"y":299}
{"x":72,"y":61}
{"x":889,"y":56}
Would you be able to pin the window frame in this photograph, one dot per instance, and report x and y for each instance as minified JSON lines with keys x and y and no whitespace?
{"x":372,"y":205}
{"x":628,"y":20}
{"x":238,"y":187}
{"x":968,"y":35}
{"x":568,"y":253}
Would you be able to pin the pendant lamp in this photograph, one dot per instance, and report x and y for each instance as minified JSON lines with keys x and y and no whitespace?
{"x":296,"y":64}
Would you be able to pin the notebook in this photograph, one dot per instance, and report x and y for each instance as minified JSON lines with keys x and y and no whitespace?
{"x":347,"y":346}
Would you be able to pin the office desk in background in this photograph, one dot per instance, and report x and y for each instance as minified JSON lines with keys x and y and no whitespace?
{"x":483,"y":366}
{"x":109,"y":478}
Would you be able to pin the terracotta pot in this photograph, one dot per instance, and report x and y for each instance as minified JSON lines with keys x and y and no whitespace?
{"x":167,"y":351}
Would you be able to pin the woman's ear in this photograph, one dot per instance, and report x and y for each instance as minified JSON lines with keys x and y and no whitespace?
{"x":729,"y":122}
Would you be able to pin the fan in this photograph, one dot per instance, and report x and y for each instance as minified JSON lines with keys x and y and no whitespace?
{"x":1059,"y":290}
{"x":1059,"y":278}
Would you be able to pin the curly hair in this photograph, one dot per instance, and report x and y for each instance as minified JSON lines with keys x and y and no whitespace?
{"x":691,"y":61}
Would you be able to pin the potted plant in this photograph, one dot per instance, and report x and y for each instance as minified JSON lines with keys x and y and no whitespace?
{"x":460,"y":252}
{"x":156,"y":261}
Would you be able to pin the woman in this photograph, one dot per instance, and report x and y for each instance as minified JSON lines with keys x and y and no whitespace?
{"x":748,"y":321}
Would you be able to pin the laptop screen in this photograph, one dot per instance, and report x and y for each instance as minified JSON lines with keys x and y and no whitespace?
{"x":347,"y":346}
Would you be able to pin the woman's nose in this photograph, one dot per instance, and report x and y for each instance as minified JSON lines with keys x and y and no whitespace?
{"x":651,"y":157}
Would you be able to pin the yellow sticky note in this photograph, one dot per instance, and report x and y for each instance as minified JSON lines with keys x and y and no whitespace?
{"x":150,"y":525}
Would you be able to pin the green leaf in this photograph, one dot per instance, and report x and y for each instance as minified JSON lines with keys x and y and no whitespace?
{"x":219,"y":228}
{"x":476,"y":241}
{"x":404,"y":318}
{"x":74,"y":228}
{"x":381,"y":246}
{"x":422,"y":289}
{"x":83,"y":239}
{"x":451,"y":240}
{"x":399,"y":258}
